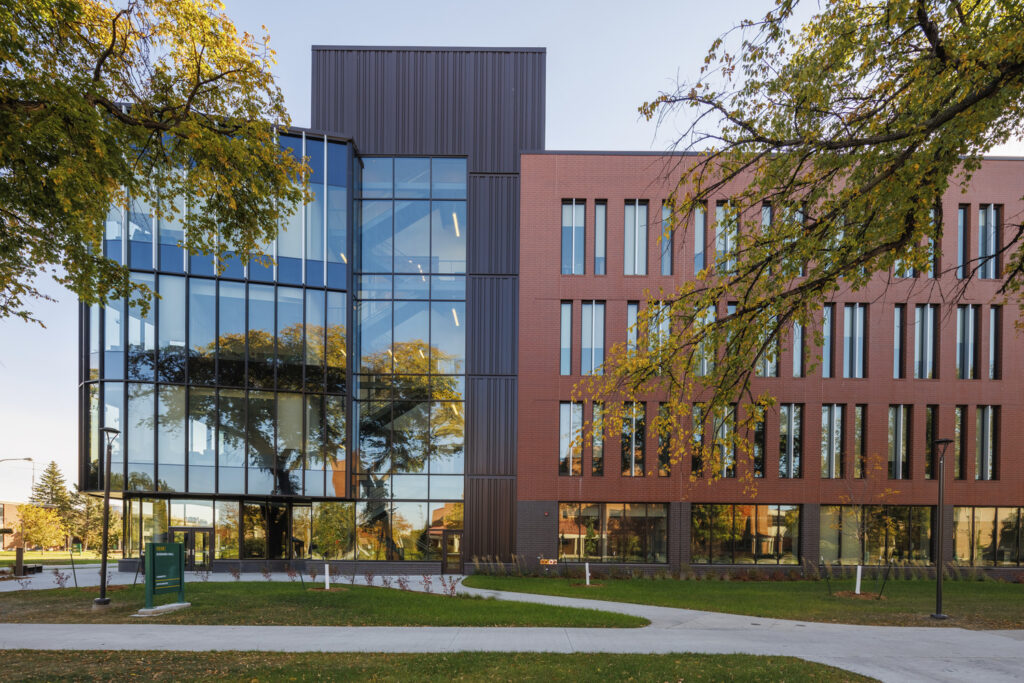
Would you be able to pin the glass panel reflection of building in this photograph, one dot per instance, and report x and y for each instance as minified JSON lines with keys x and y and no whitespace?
{"x":232,"y":389}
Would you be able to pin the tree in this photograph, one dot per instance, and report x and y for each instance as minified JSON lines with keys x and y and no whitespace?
{"x":835,"y":142}
{"x":89,"y":528}
{"x":147,"y":102}
{"x":52,"y":490}
{"x":41,"y":526}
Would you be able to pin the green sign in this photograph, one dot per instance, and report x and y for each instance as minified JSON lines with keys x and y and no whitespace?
{"x":165,"y":570}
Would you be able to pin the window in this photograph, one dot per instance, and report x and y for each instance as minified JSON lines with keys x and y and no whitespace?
{"x":933,"y":251}
{"x":725,"y":447}
{"x":634,"y":434}
{"x":931,"y":424}
{"x":790,"y":419}
{"x":966,"y":341}
{"x":745,"y":534}
{"x":995,"y":346}
{"x":632,"y":329}
{"x":725,"y":236}
{"x":767,"y":364}
{"x":664,"y":441}
{"x":876,"y":534}
{"x":573,"y":232}
{"x":759,"y":446}
{"x":926,"y":317}
{"x":832,"y":441}
{"x":853,"y":340}
{"x":859,"y":440}
{"x":705,"y":351}
{"x":988,"y":536}
{"x":592,"y":345}
{"x":597,"y":450}
{"x":899,"y":315}
{"x":700,"y":235}
{"x":962,"y":241}
{"x":635,"y":253}
{"x":798,"y":350}
{"x":667,"y":239}
{"x":600,"y":235}
{"x":697,"y":439}
{"x":565,"y":357}
{"x":959,"y":442}
{"x":988,"y":241}
{"x":613,"y":532}
{"x":827,"y":344}
{"x":570,"y":430}
{"x":986,"y":437}
{"x":899,"y":442}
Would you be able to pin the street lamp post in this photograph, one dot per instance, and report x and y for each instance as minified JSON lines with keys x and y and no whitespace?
{"x":103,"y":600}
{"x":939,"y":447}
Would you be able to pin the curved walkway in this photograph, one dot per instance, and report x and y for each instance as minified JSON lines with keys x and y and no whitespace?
{"x":884,"y":652}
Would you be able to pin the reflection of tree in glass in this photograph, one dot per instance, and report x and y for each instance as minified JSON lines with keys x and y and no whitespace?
{"x":333,"y":530}
{"x":257,"y":419}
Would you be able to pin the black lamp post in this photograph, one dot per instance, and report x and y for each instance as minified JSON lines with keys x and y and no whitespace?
{"x":103,"y":600}
{"x":939,"y":447}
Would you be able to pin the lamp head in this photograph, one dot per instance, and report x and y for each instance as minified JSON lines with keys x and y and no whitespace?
{"x":110,"y":431}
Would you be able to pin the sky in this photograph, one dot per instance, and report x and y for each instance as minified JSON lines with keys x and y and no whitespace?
{"x":603,"y":60}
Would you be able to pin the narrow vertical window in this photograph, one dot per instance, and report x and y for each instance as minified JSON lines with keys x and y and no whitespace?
{"x":632,"y":329}
{"x":859,"y":441}
{"x":700,"y":235}
{"x":962,"y":241}
{"x":705,"y":351}
{"x":592,"y":343}
{"x":832,"y":441}
{"x":635,"y":252}
{"x":899,"y":442}
{"x":931,"y":415}
{"x":966,"y":341}
{"x":725,"y":446}
{"x":995,"y":346}
{"x":767,"y":364}
{"x":985,"y":436}
{"x":828,"y":342}
{"x":759,"y":446}
{"x":565,"y":357}
{"x":790,"y":419}
{"x":634,"y":435}
{"x":600,"y":235}
{"x":572,"y":236}
{"x":597,"y":451}
{"x":933,"y":251}
{"x":959,"y":442}
{"x":898,"y":318}
{"x":988,"y":241}
{"x":664,"y":441}
{"x":570,"y":431}
{"x":853,"y":340}
{"x":725,"y":236}
{"x":697,"y":439}
{"x":667,"y":239}
{"x":798,"y":350}
{"x":925,"y":319}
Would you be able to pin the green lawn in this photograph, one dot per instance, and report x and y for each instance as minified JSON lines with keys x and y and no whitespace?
{"x":38,"y":665}
{"x":971,"y":604}
{"x":292,"y":604}
{"x":50,"y":557}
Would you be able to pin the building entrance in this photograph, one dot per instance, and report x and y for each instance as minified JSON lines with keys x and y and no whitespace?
{"x":451,"y":551}
{"x":198,"y":544}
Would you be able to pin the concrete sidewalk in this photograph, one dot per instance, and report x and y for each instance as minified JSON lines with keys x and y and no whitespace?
{"x":887,"y":653}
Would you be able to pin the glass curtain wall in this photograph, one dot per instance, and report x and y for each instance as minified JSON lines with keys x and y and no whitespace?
{"x":410,"y":320}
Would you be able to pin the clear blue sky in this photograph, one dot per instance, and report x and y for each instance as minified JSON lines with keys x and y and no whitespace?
{"x":603,"y":59}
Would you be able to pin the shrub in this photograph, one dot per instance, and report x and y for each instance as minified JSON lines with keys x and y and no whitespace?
{"x":403,"y":583}
{"x":369,"y":576}
{"x":385,"y":581}
{"x":311,"y":570}
{"x":236,"y":572}
{"x":60,"y":578}
{"x":292,"y":574}
{"x":267,"y":574}
{"x":427,"y":583}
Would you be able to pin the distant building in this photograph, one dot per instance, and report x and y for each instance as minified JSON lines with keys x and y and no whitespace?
{"x":10,"y":519}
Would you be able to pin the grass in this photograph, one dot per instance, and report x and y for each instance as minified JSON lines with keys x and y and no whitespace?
{"x":970,"y":604}
{"x":292,"y":604}
{"x":39,"y":665}
{"x":52,"y":557}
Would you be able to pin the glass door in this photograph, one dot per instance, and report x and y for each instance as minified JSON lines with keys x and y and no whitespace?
{"x":197,"y":544}
{"x":451,"y":551}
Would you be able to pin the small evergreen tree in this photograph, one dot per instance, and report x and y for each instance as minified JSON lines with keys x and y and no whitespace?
{"x":51,"y":489}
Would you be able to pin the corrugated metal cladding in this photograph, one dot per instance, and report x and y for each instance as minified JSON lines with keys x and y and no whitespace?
{"x":491,"y":426}
{"x":493,"y":244}
{"x":485,"y":104}
{"x":490,"y":534}
{"x":492,"y":307}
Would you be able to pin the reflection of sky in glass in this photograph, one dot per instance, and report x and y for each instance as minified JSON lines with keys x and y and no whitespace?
{"x":448,"y":335}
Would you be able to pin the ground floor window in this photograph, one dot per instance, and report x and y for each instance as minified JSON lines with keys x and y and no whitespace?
{"x":988,"y":536}
{"x":876,"y":534}
{"x":613,"y":532}
{"x":331,"y":530}
{"x":745,"y":534}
